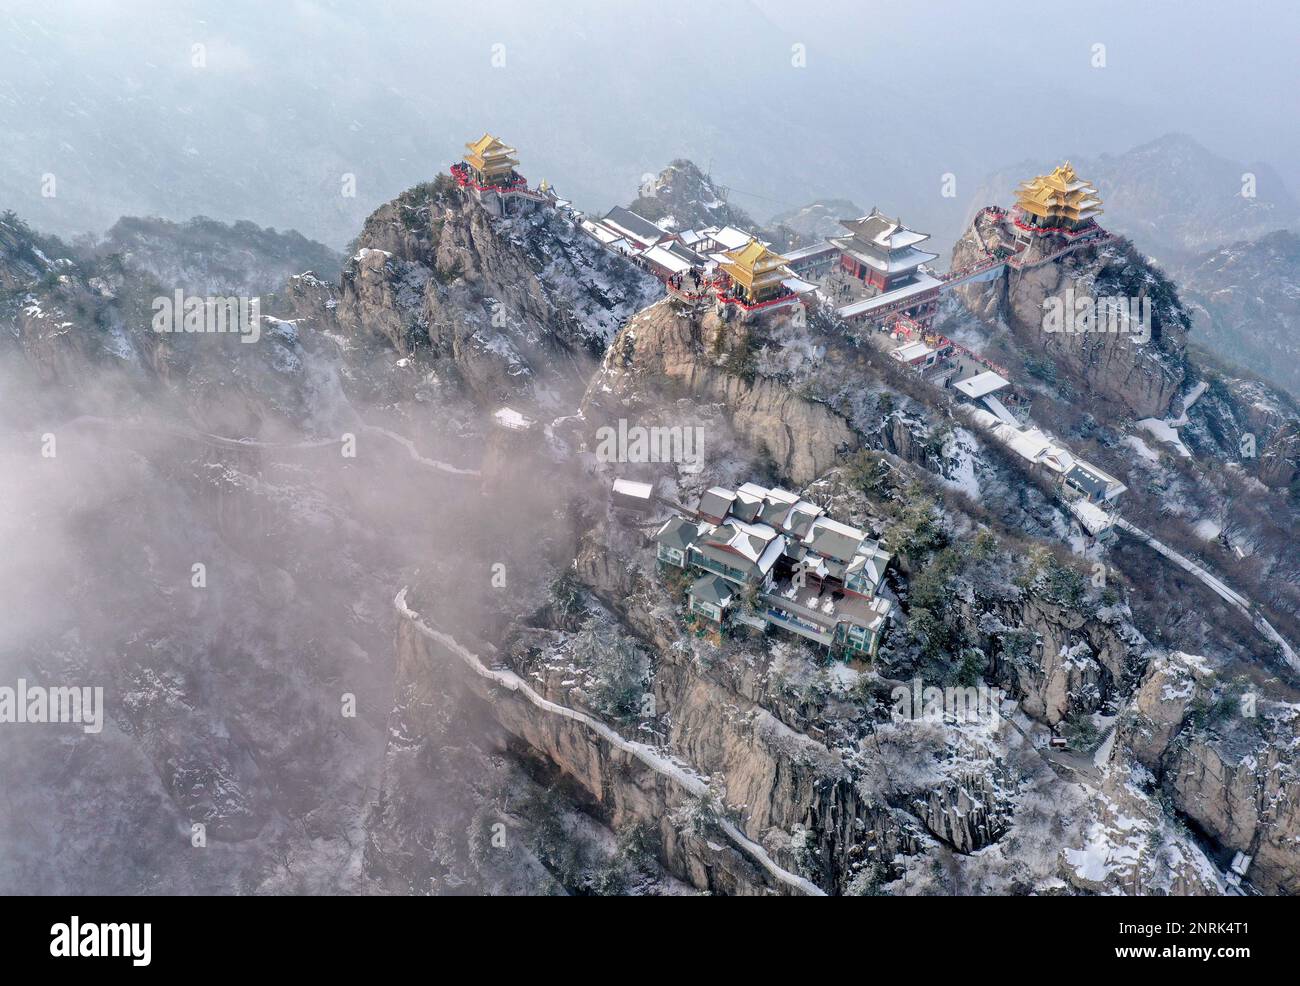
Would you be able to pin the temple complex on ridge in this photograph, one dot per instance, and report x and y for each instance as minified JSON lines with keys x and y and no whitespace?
{"x":876,"y":274}
{"x":1061,"y":202}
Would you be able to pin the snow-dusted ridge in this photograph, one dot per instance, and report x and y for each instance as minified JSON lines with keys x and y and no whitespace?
{"x":649,"y":756}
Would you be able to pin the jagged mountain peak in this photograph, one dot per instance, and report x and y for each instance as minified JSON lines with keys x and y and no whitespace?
{"x":819,"y":219}
{"x":515,"y":304}
{"x":682,"y":196}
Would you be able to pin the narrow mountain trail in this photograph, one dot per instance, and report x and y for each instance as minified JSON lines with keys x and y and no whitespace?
{"x":650,"y":756}
{"x":1221,"y":589}
{"x":221,"y":441}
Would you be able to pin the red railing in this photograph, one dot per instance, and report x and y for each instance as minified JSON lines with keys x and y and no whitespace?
{"x":905,"y":325}
{"x":970,"y":270}
{"x":731,"y":299}
{"x":716,"y":286}
{"x":1087,"y":230}
{"x":982,"y":360}
{"x":517,"y":186}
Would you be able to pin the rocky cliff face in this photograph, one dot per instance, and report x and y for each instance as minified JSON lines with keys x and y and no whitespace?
{"x":1236,"y":414}
{"x":809,"y":763}
{"x":1076,"y":661}
{"x":1136,"y":377}
{"x":827,"y":796}
{"x":666,"y":352}
{"x":516,"y":308}
{"x":1221,"y":754}
{"x":619,"y":788}
{"x":810,"y":770}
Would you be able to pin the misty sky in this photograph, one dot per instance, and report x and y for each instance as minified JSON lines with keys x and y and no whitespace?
{"x":291,"y":96}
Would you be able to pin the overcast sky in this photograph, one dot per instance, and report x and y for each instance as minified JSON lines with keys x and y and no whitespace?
{"x":784,"y":101}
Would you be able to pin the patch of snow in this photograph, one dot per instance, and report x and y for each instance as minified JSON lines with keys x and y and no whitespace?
{"x":1165,"y":432}
{"x":1141,"y":448}
{"x":1090,"y":862}
{"x":959,"y":450}
{"x":1207,"y":529}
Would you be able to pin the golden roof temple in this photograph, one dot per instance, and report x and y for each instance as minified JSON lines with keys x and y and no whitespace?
{"x":756,"y":271}
{"x":491,"y":160}
{"x":1061,"y":199}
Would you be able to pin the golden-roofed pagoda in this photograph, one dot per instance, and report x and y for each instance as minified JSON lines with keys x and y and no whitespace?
{"x":1059,"y":200}
{"x":756,"y":272}
{"x":490,"y":161}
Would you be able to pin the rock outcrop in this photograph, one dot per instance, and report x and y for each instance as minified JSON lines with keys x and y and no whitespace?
{"x":1061,"y":661}
{"x":667,"y":352}
{"x":779,"y":764}
{"x":517,"y":308}
{"x":682,"y":196}
{"x":1138,"y":377}
{"x":1222,"y":756}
